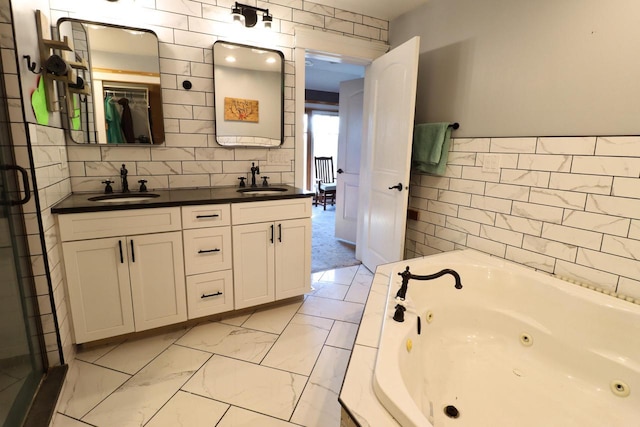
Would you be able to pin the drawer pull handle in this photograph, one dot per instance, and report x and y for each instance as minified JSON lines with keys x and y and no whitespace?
{"x":207,"y":216}
{"x":211,"y":295}
{"x":204,"y":251}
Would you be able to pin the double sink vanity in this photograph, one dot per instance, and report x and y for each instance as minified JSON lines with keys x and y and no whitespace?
{"x":137,"y":261}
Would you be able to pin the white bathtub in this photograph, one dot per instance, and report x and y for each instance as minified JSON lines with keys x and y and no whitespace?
{"x":511,"y":348}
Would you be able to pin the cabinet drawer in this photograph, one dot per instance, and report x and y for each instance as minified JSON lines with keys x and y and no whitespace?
{"x":209,"y":293}
{"x":270,"y":210}
{"x":91,"y":225}
{"x":207,"y":249}
{"x":205,"y":216}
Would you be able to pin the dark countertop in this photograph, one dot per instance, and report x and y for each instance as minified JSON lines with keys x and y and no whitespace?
{"x":80,"y":202}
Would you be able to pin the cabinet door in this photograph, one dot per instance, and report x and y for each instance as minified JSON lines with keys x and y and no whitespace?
{"x":253,"y":262}
{"x":98,"y":288}
{"x":293,"y":257}
{"x":157,"y":279}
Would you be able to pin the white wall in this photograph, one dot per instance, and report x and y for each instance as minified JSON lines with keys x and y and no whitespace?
{"x":565,"y":205}
{"x":527,"y":68}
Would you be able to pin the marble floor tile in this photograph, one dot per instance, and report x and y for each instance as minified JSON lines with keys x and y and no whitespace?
{"x":132,"y":355}
{"x":318,"y":405}
{"x":136,"y":401}
{"x":272,"y":320}
{"x":8,"y":396}
{"x":342,"y":276}
{"x":238,"y":417}
{"x":61,"y":420}
{"x":85,"y":386}
{"x":258,"y":388}
{"x":6,"y":381}
{"x":316,"y":276}
{"x":240,"y":343}
{"x":236,"y":320}
{"x":189,"y":410}
{"x":329,"y":290}
{"x":332,"y":309}
{"x":90,"y":353}
{"x":298,"y":347}
{"x":342,"y":335}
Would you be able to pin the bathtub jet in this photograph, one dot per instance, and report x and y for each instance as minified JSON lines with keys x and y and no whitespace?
{"x":402,"y":292}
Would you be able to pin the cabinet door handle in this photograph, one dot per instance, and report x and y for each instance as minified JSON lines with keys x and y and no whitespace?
{"x":271,"y":233}
{"x":211,"y":295}
{"x":205,"y":251}
{"x":121,"y":256}
{"x":279,"y":232}
{"x":133,"y":254}
{"x":207,"y":216}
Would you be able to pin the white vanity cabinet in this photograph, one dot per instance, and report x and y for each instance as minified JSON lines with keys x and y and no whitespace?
{"x":208,"y":259}
{"x":271,"y":250}
{"x":125,"y":271}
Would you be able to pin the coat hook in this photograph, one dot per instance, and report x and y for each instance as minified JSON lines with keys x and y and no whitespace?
{"x":32,"y":65}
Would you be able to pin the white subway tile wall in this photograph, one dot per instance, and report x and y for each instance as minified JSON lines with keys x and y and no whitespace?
{"x":569,"y":206}
{"x":190,"y":156}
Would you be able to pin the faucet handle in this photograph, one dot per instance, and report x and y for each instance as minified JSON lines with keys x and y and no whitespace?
{"x":108,"y":189}
{"x":143,"y":187}
{"x":264,"y":181}
{"x":242,"y":178}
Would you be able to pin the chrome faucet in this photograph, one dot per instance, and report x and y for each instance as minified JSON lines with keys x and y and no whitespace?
{"x":254,"y":170}
{"x":402,"y":292}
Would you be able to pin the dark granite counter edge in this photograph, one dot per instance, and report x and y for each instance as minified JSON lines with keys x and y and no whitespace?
{"x":79,"y":202}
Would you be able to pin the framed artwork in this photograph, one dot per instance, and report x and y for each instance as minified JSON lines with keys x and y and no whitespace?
{"x":241,"y":110}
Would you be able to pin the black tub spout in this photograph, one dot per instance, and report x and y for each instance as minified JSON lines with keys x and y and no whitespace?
{"x":406,"y":275}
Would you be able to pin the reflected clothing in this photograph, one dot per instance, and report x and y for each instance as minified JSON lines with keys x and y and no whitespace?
{"x":112,"y":119}
{"x":127,"y":121}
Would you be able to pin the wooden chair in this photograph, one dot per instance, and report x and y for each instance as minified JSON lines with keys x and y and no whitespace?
{"x":325,"y":181}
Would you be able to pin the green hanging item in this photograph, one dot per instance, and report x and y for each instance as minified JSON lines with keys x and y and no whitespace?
{"x":75,"y":120}
{"x":39,"y":103}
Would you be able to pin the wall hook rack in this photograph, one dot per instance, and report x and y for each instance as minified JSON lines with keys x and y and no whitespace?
{"x":32,"y":66}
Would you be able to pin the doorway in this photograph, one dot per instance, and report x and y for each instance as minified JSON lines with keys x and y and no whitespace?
{"x":322,"y":129}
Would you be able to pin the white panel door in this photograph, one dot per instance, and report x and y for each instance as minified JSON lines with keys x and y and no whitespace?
{"x":156,"y":268}
{"x":389,"y":106}
{"x":349,"y":143}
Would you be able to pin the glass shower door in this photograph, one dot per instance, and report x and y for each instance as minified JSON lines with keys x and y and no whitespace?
{"x":22,"y":362}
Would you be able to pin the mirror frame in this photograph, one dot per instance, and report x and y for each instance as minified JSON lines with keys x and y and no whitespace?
{"x":158,"y":118}
{"x":239,"y":142}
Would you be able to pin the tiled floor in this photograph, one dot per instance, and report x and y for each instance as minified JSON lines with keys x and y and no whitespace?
{"x":278,"y":367}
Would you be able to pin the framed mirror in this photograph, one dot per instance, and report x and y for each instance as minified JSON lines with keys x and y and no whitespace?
{"x":124,"y":102}
{"x":249,"y":95}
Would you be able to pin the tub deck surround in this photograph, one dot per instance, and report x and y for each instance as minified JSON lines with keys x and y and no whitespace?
{"x":549,"y":349}
{"x":79,"y":202}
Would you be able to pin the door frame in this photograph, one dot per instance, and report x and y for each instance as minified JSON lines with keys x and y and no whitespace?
{"x":344,"y":49}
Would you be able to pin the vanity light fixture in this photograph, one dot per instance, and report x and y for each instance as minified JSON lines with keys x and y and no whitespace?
{"x":248,"y":15}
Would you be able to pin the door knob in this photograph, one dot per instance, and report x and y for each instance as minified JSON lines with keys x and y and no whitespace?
{"x":340,"y":171}
{"x":398,"y":187}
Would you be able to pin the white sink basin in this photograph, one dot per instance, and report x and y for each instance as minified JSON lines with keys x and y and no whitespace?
{"x":123,"y":197}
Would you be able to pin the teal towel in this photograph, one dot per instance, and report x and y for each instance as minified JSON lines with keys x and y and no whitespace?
{"x":431,"y":142}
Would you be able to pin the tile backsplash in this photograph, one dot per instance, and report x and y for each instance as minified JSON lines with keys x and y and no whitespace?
{"x":190,"y":156}
{"x":569,"y":206}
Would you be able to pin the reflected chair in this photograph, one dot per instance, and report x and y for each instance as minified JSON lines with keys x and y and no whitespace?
{"x":325,"y":181}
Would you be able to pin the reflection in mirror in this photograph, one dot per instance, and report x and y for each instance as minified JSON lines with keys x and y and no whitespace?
{"x":125,"y":106}
{"x":249,"y":95}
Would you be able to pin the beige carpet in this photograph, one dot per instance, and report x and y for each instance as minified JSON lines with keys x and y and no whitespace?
{"x":327,"y":252}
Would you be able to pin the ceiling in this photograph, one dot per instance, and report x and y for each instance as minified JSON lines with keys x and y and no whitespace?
{"x":382,"y":9}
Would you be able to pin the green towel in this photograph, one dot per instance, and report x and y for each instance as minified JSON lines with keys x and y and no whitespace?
{"x":39,"y":103}
{"x":431,"y":142}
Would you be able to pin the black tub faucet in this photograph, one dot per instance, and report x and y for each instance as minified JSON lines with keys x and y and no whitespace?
{"x":402,"y":292}
{"x":254,"y":170}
